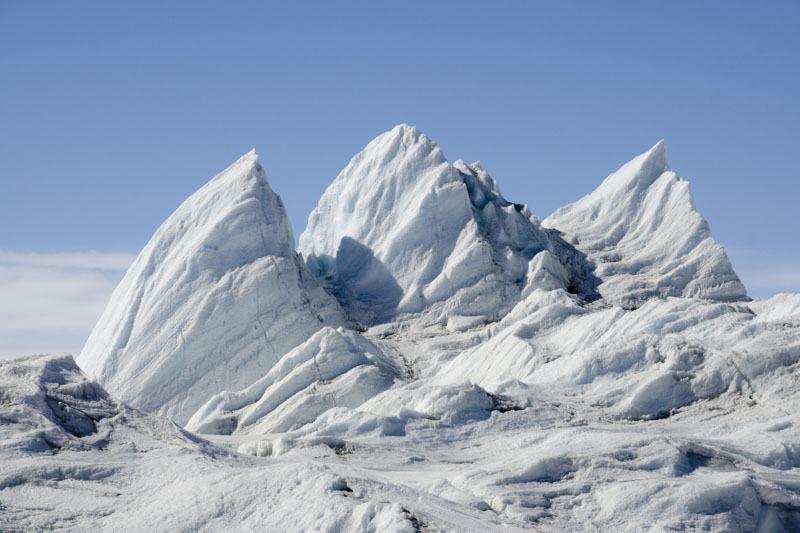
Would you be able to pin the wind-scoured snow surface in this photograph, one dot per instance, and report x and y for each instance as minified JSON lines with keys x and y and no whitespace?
{"x":436,"y":360}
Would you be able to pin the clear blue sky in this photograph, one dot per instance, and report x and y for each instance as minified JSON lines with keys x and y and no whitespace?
{"x":111,"y":113}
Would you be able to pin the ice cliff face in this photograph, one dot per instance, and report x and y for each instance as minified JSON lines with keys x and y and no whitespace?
{"x":213,"y":301}
{"x":641,"y":230}
{"x":401,"y":231}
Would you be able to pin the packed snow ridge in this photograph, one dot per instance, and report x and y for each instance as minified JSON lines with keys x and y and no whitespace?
{"x":429,"y":344}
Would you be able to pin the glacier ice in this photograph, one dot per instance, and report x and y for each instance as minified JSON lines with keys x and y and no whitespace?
{"x":403,"y":232}
{"x":74,"y":458}
{"x":216,"y":297}
{"x":641,"y":230}
{"x":334,"y":368}
{"x":434,"y":359}
{"x":783,"y":307}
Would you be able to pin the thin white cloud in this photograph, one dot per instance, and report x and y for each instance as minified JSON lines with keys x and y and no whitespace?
{"x":50,"y":302}
{"x":90,"y":260}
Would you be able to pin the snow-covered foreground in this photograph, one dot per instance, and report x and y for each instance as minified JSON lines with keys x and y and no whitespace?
{"x":438,"y":359}
{"x":75,"y":459}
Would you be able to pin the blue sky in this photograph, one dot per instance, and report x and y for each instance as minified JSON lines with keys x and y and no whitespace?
{"x":112,"y":113}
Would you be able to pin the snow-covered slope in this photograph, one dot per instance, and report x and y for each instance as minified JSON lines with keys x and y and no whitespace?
{"x":643,"y":233}
{"x":213,"y":301}
{"x":402,"y":231}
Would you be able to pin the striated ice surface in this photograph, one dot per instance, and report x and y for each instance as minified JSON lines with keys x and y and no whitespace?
{"x":641,"y":230}
{"x":214,"y":300}
{"x":436,"y":360}
{"x":641,"y":364}
{"x":401,"y":231}
{"x":334,"y":368}
{"x":76,"y":459}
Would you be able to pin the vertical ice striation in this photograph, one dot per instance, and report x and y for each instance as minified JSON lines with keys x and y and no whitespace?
{"x":213,"y":301}
{"x":642,"y":231}
{"x":402,"y":231}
